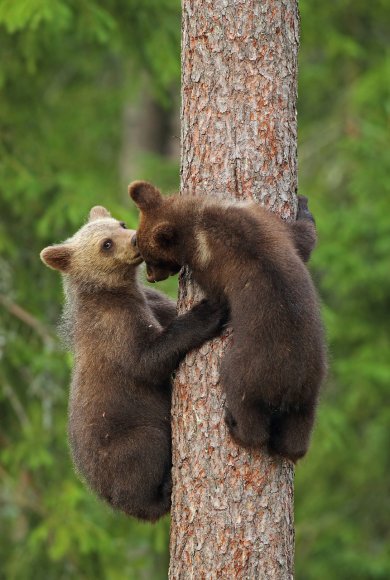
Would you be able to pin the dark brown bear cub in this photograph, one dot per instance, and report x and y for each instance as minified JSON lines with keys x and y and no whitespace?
{"x":249,"y":257}
{"x":126,"y":341}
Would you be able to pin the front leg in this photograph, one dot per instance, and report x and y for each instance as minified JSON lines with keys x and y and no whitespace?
{"x":159,"y":359}
{"x":303,"y":230}
{"x":163,"y":307}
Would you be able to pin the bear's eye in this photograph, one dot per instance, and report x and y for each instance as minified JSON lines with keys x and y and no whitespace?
{"x":123,"y":225}
{"x":107,"y":245}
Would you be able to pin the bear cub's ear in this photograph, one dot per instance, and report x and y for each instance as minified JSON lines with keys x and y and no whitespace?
{"x":164,"y":235}
{"x":97,"y":213}
{"x":145,"y":195}
{"x":57,"y":257}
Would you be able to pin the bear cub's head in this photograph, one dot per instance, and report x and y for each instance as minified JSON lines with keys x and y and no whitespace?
{"x":100,"y":254}
{"x":159,"y":231}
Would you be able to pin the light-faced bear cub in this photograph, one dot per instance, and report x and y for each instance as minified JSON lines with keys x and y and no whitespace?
{"x":126,"y":340}
{"x":247,"y":256}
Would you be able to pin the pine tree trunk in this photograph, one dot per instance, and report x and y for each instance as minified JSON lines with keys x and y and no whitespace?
{"x":232,"y":512}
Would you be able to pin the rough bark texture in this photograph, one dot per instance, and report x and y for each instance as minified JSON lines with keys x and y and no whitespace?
{"x":232,"y":513}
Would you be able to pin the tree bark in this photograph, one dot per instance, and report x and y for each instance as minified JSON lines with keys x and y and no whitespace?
{"x":232,"y":511}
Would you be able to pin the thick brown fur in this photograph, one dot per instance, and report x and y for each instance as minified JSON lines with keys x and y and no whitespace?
{"x":247,"y":256}
{"x":126,"y":340}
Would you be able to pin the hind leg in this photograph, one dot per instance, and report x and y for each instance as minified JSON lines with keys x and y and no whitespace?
{"x":248,"y":425}
{"x":291,"y":431}
{"x":139,"y":474}
{"x":247,"y":416}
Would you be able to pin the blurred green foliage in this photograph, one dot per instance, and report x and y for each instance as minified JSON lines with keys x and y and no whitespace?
{"x":68,"y":70}
{"x":342,"y":488}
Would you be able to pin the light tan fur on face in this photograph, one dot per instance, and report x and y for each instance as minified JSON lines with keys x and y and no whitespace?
{"x":87,"y":244}
{"x":89,"y":262}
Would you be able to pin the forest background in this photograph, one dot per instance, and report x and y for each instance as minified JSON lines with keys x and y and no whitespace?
{"x":89,"y":101}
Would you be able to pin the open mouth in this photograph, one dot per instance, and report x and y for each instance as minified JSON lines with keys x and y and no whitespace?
{"x":155,"y":274}
{"x":158,"y":274}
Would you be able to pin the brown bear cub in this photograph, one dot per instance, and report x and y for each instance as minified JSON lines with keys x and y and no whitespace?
{"x":126,"y":341}
{"x":247,"y":256}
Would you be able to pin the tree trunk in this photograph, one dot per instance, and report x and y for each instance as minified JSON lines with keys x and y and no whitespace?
{"x":232,"y":512}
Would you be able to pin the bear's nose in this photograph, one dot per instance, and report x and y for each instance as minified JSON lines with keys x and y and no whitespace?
{"x":134,"y":240}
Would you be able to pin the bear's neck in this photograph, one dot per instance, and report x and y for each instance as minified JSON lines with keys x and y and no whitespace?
{"x":189,"y":213}
{"x":87,"y":306}
{"x":83,"y":293}
{"x":203,"y":246}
